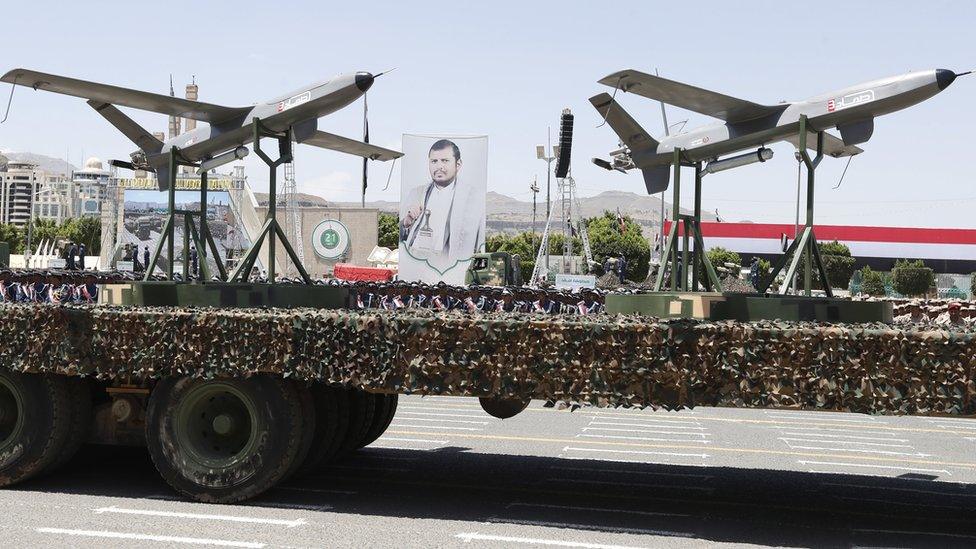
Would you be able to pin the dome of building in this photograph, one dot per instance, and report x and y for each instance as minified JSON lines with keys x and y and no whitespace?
{"x":93,"y":164}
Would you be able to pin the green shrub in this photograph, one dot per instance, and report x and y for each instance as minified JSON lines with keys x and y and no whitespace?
{"x":872,"y":282}
{"x":912,"y":278}
{"x":837,"y":262}
{"x":719,"y":257}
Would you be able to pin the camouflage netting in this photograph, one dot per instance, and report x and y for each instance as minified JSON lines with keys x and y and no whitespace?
{"x":603,"y":360}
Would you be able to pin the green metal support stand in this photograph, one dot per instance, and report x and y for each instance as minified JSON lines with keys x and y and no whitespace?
{"x":200,"y":239}
{"x":271,"y":228}
{"x":805,"y":243}
{"x":691,"y":229}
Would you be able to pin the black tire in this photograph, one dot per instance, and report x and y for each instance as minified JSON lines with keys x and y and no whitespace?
{"x":35,"y":416}
{"x":361,"y":409}
{"x":308,"y":427}
{"x":79,"y":398}
{"x":331,"y":423}
{"x":224,"y":440}
{"x":386,"y":406}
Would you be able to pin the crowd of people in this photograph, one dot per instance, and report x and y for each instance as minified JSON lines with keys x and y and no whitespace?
{"x":476,"y":299}
{"x":44,"y":289}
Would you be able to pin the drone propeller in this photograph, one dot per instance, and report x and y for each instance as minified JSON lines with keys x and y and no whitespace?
{"x":130,"y":166}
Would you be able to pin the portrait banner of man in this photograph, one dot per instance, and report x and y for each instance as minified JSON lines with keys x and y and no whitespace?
{"x":444,"y":182}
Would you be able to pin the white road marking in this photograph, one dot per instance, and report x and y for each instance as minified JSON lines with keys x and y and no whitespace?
{"x":628,"y":483}
{"x":378,"y":445}
{"x":199,"y":516}
{"x":629,"y":471}
{"x":648,"y":424}
{"x":613,"y":430}
{"x":396,"y":424}
{"x":635,"y":417}
{"x":869,"y":466}
{"x":831,"y":441}
{"x":799,"y":427}
{"x":147,"y":537}
{"x":594,"y":509}
{"x":819,"y":419}
{"x":445,"y":420}
{"x":854,"y":437}
{"x":397,"y":439}
{"x":858,"y":450}
{"x":633,"y":461}
{"x":474,"y":536}
{"x":474,"y":416}
{"x":647,"y":439}
{"x":597,"y":527}
{"x":640,"y":452}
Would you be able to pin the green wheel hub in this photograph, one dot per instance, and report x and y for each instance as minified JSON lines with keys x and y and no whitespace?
{"x":217,"y":425}
{"x":11,"y":414}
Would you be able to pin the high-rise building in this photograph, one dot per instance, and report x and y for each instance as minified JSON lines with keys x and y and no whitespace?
{"x":88,"y":191}
{"x":23,"y":184}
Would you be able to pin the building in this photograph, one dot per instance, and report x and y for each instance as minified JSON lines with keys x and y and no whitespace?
{"x":23,"y":184}
{"x":88,"y":189}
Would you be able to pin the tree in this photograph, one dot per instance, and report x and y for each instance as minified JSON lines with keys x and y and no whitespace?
{"x":607,"y":240}
{"x":837,"y":262}
{"x":85,"y":230}
{"x":872,"y":282}
{"x":524,"y":244}
{"x":912,"y":278}
{"x":718,"y":257}
{"x":388,"y":232}
{"x":11,"y":234}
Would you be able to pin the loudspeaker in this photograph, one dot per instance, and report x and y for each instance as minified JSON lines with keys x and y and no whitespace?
{"x":565,"y":143}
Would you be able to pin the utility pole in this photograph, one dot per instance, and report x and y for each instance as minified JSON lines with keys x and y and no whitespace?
{"x":534,"y":187}
{"x":547,"y":153}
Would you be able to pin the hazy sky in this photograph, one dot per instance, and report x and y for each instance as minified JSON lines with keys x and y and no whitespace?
{"x":506,"y":69}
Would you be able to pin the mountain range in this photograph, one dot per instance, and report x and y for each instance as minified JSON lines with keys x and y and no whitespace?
{"x":507,"y":214}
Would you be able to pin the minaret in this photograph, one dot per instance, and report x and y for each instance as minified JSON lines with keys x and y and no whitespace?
{"x":191,"y":94}
{"x":174,"y":121}
{"x":189,"y":123}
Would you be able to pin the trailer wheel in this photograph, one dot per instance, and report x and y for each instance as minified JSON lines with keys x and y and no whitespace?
{"x":386,"y":406}
{"x":34,"y":423}
{"x":224,"y":440}
{"x":308,"y":427}
{"x":331,"y":424}
{"x":503,"y":408}
{"x":79,"y":400}
{"x":361,"y":409}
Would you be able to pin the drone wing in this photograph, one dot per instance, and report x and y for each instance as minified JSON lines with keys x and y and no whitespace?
{"x":334,"y":142}
{"x":696,"y":99}
{"x":833,"y":146}
{"x":125,"y":97}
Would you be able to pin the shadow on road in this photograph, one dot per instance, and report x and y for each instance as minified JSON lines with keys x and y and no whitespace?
{"x":726,"y":504}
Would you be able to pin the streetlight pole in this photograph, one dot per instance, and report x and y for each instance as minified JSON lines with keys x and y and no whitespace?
{"x":534,"y":187}
{"x":548,"y":154}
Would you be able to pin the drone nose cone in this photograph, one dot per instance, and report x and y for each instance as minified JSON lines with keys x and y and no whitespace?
{"x":944,"y":77}
{"x":364,"y":80}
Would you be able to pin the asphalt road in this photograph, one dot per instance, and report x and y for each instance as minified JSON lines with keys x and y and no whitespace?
{"x":448,"y":475}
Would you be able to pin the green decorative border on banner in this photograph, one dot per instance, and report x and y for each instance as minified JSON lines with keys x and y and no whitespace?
{"x":438,"y":271}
